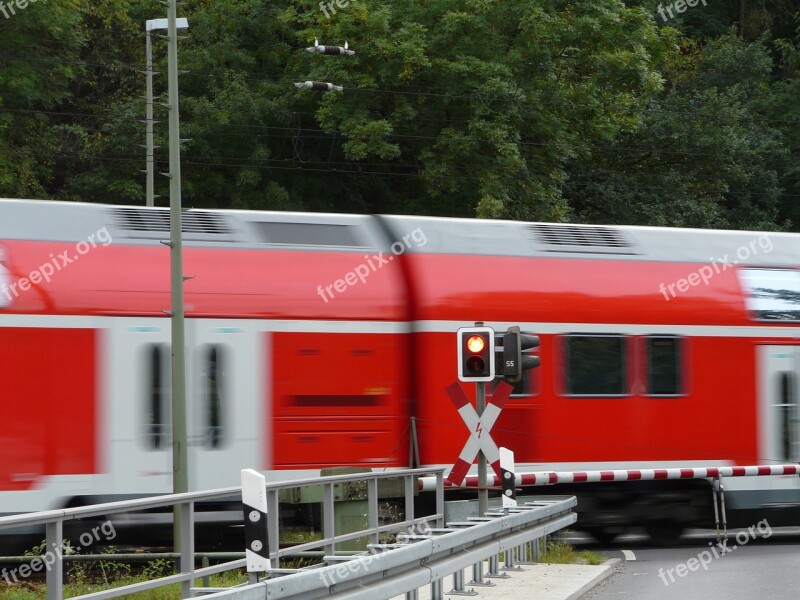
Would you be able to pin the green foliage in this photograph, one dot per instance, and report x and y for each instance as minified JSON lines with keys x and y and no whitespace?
{"x":585,"y":110}
{"x":37,"y":591}
{"x":157,"y":568}
{"x":705,"y":155}
{"x":561,"y":553}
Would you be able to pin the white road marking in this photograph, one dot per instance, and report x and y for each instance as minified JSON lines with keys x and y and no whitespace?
{"x":628,"y":555}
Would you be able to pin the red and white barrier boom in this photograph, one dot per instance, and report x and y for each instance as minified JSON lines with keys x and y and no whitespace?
{"x":554,"y":477}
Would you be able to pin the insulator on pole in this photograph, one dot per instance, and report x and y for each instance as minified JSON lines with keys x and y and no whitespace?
{"x":318,"y":86}
{"x":330,"y":50}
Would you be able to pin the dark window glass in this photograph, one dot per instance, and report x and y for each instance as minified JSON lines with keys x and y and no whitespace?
{"x":596,"y":365}
{"x":788,"y":409}
{"x":157,"y":398}
{"x":664,"y":366}
{"x":215,"y":396}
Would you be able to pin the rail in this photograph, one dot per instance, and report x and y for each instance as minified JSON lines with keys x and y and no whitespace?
{"x":54,"y":520}
{"x":391,"y":570}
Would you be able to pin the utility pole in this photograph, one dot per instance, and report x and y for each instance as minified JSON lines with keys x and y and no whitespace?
{"x":180,"y":479}
{"x":150,"y":25}
{"x":150,"y":191}
{"x":180,"y":463}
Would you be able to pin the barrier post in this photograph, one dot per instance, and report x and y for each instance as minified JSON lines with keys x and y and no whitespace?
{"x":254,"y":507}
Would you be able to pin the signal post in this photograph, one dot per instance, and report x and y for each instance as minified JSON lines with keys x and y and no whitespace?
{"x":477,"y":362}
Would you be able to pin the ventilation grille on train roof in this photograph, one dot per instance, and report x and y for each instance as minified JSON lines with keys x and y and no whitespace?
{"x":145,"y":223}
{"x":573,"y":238}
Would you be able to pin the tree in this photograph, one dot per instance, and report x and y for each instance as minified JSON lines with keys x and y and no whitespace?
{"x":706,"y":154}
{"x":38,"y":63}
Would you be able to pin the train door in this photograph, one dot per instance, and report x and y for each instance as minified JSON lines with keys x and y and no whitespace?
{"x":138,"y":406}
{"x":779,"y":392}
{"x":224,"y":414}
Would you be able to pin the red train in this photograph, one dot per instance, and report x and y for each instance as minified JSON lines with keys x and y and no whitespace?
{"x":313,"y":339}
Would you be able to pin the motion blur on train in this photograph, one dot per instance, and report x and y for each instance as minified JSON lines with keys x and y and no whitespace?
{"x":314,"y":339}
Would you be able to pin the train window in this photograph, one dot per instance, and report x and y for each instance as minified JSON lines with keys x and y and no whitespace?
{"x":310,"y":234}
{"x":788,"y":408}
{"x":772,"y":294}
{"x":595,"y":365}
{"x":664,"y":377}
{"x":215,"y":387}
{"x":156,"y":421}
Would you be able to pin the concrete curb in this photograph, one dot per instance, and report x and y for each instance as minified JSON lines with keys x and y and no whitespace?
{"x":608,"y":570}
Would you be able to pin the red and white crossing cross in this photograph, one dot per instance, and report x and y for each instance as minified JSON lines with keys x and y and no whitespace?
{"x":480,"y":428}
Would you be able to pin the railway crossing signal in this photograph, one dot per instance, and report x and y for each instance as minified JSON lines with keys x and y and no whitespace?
{"x":514,"y":361}
{"x":480,"y":427}
{"x":476,"y":361}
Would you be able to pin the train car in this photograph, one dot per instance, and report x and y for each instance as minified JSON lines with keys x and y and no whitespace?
{"x":314,"y":339}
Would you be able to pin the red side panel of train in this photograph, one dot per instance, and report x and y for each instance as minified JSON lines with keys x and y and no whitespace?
{"x":337,"y":366}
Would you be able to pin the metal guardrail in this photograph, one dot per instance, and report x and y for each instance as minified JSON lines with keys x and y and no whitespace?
{"x":54,"y":520}
{"x":392,"y":570}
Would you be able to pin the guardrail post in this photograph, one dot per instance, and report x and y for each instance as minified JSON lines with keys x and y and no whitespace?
{"x":187,"y":547}
{"x":372,"y":513}
{"x":328,"y":526}
{"x":440,"y":498}
{"x":412,"y":595}
{"x":477,"y":576}
{"x":458,"y":586}
{"x":436,"y":590}
{"x":508,"y":561}
{"x":523,"y":554}
{"x":494,"y":568}
{"x":206,"y":578}
{"x":409,"y":496}
{"x":273,"y":524}
{"x":55,"y":572}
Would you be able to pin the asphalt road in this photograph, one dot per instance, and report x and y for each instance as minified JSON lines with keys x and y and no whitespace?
{"x":760,"y":564}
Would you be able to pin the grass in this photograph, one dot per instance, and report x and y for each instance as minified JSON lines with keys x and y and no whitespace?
{"x":561,"y":553}
{"x":36,"y":591}
{"x":86,"y":578}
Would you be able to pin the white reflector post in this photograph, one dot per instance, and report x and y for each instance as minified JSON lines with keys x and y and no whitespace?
{"x":509,"y":478}
{"x":254,"y":505}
